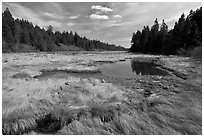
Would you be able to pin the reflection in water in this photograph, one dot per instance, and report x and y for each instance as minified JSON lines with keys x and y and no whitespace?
{"x":127,"y":68}
{"x":146,"y":68}
{"x":131,"y":68}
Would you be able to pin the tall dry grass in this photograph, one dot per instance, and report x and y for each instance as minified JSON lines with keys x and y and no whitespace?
{"x":90,"y":106}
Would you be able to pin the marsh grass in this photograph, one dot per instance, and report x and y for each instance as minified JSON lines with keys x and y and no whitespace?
{"x":195,"y":52}
{"x":88,"y":106}
{"x":21,"y":75}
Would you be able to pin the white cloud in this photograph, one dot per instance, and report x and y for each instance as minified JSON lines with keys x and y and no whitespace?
{"x":177,"y":16}
{"x":101,"y":8}
{"x":115,"y":25}
{"x":99,"y":17}
{"x":48,"y":14}
{"x":73,"y":17}
{"x":70,"y":24}
{"x":54,"y":23}
{"x":19,"y":11}
{"x":51,"y":15}
{"x":117,"y":16}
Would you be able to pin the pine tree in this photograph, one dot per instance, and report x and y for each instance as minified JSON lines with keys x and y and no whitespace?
{"x":179,"y":32}
{"x":8,"y":19}
{"x":145,"y":39}
{"x":71,"y":38}
{"x":25,"y":38}
{"x":7,"y":33}
{"x":64,"y":38}
{"x":21,"y":31}
{"x":17,"y":31}
{"x":57,"y":38}
{"x":7,"y":26}
{"x":76,"y":38}
{"x":162,"y":36}
{"x":136,"y":42}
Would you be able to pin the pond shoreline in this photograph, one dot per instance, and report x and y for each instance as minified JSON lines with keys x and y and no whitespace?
{"x":72,"y":102}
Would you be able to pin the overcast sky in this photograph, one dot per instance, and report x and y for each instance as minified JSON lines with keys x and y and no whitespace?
{"x":109,"y":22}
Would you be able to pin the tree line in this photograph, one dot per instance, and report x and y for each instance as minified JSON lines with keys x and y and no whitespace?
{"x":16,"y":32}
{"x":186,"y":34}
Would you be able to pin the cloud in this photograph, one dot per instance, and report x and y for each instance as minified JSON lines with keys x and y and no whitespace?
{"x":99,"y":17}
{"x":117,"y":16}
{"x":54,"y":23}
{"x":115,"y":25}
{"x":171,"y":19}
{"x":19,"y":11}
{"x":101,"y":8}
{"x":51,"y":15}
{"x":177,"y":16}
{"x":73,"y":17}
{"x":134,"y":16}
{"x":48,"y":14}
{"x":71,"y":24}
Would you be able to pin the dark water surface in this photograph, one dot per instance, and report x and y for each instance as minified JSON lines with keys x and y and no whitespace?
{"x":131,"y":68}
{"x":128,"y":68}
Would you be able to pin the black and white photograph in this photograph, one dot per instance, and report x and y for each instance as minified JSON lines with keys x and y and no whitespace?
{"x":101,"y":68}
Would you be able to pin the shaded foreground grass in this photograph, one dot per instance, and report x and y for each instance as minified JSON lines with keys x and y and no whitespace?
{"x":90,"y":106}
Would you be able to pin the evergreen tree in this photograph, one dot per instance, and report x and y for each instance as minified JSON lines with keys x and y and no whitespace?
{"x":7,"y":33}
{"x":40,"y":43}
{"x":25,"y":38}
{"x":136,"y":42}
{"x":162,"y":36}
{"x":8,"y":19}
{"x":64,"y":38}
{"x":7,"y":26}
{"x":76,"y":38}
{"x":186,"y":34}
{"x":154,"y":47}
{"x":178,"y":33}
{"x":58,"y":38}
{"x":71,"y":38}
{"x":145,"y":39}
{"x":15,"y":32}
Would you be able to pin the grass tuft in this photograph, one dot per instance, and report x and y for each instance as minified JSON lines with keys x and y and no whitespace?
{"x":21,"y":75}
{"x":91,"y":107}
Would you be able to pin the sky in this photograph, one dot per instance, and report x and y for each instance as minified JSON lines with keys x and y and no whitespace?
{"x":112,"y":22}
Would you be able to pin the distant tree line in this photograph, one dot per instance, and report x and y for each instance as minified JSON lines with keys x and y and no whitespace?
{"x":186,"y":34}
{"x":16,"y":32}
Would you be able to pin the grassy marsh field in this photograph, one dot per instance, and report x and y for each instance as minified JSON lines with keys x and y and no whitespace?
{"x":87,"y":102}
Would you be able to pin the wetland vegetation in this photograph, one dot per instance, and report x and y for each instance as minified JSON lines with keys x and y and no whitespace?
{"x":59,"y":83}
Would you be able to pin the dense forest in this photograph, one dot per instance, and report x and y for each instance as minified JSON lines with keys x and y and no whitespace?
{"x":21,"y":35}
{"x":186,"y":35}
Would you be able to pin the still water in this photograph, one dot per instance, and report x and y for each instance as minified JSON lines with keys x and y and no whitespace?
{"x":131,"y":67}
{"x":128,"y":68}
